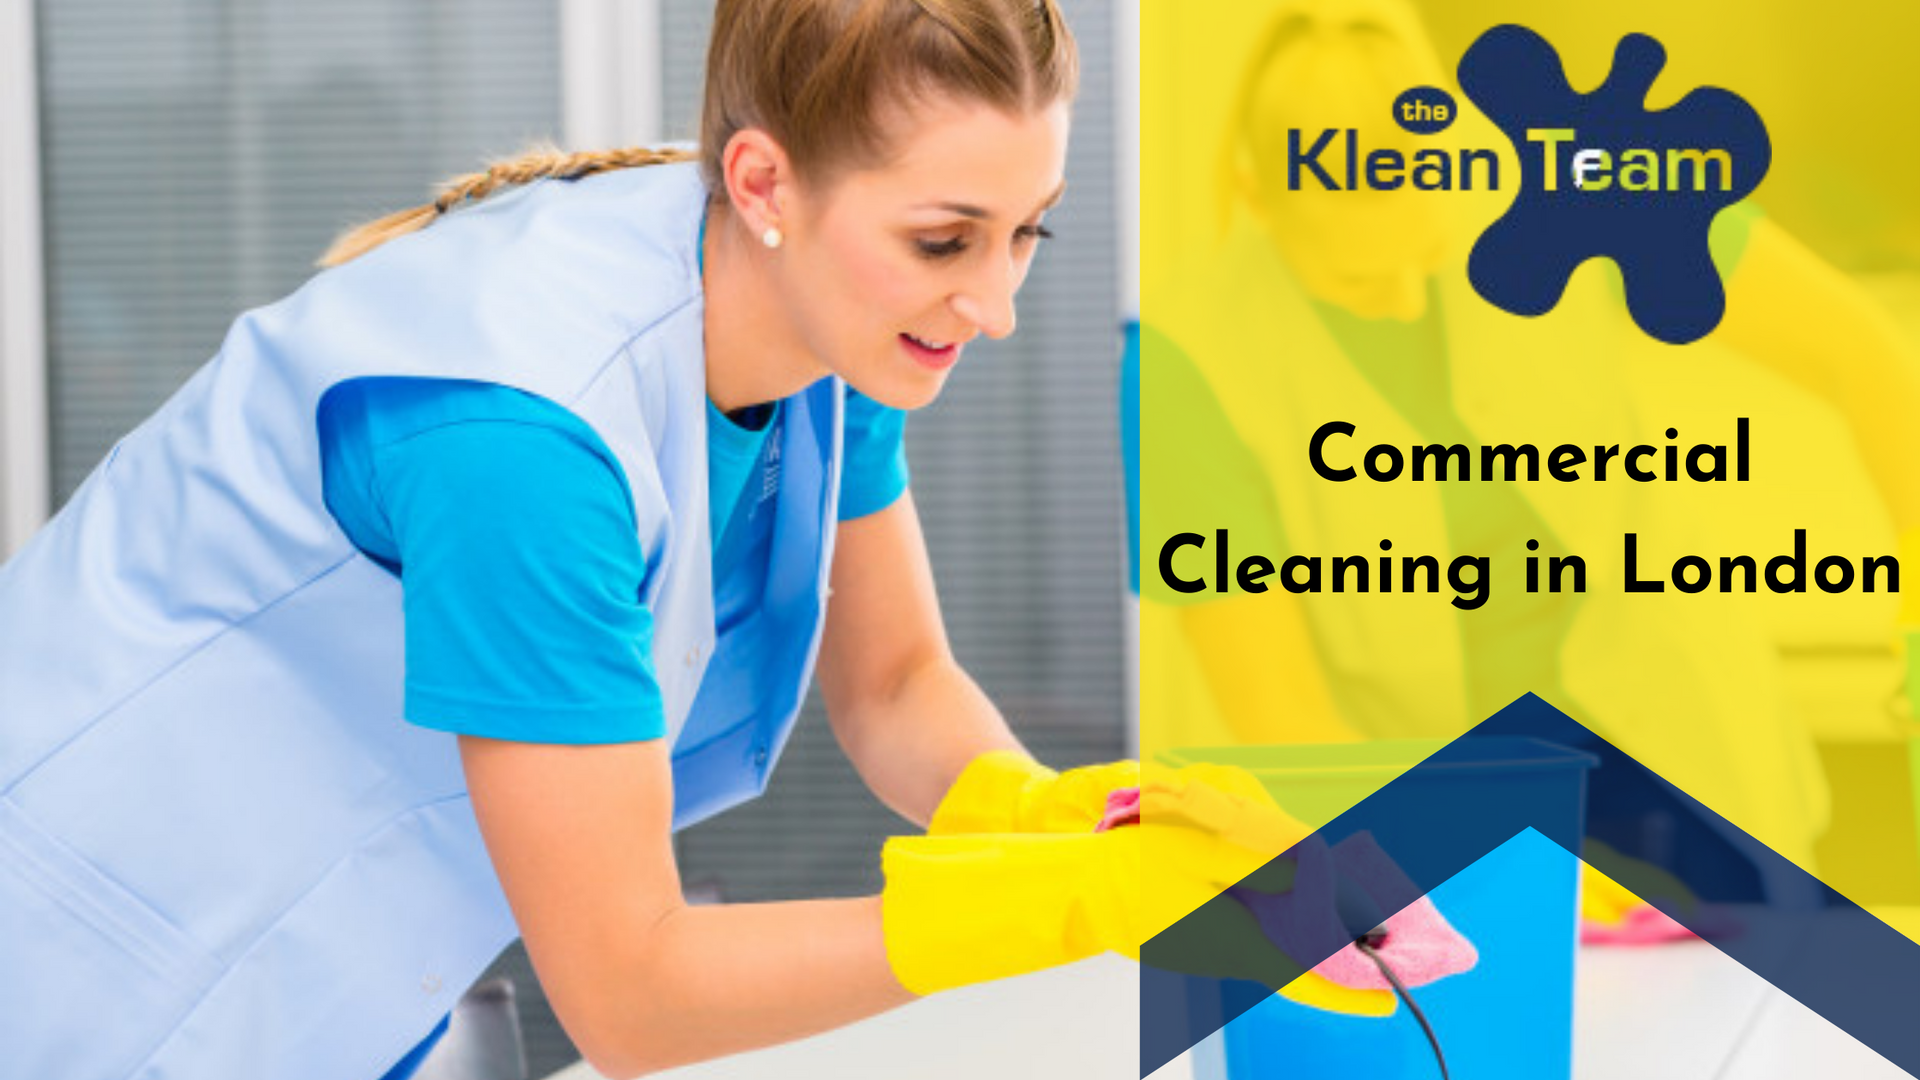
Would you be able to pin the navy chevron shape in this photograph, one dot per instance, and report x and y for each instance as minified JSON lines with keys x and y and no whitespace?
{"x":1811,"y":942}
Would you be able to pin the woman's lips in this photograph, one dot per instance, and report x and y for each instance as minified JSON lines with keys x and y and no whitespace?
{"x":937,"y":359}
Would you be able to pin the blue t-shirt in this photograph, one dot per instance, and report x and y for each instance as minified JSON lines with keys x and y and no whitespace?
{"x":511,"y":525}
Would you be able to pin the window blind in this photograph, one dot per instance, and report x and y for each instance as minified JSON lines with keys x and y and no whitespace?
{"x":199,"y":154}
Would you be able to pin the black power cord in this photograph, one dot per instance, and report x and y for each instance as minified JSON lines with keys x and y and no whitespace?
{"x":1369,"y":946}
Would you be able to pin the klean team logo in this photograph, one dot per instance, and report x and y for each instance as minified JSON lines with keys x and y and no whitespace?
{"x":1600,"y":175}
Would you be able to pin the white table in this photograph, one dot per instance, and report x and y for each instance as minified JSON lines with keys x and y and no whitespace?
{"x":1675,"y":1012}
{"x":1080,"y":1022}
{"x":1688,"y":1012}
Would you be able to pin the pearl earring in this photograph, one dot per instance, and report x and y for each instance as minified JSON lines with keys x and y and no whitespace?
{"x":772,"y":237}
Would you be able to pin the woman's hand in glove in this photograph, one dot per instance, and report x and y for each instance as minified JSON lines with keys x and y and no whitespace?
{"x":1003,"y":791}
{"x":964,"y":908}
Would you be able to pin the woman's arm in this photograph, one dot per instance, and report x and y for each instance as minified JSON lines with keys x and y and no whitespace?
{"x":905,"y":713}
{"x":581,"y":839}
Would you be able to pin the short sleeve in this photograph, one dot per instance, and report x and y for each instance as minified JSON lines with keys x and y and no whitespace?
{"x":521,"y":572}
{"x":873,"y":470}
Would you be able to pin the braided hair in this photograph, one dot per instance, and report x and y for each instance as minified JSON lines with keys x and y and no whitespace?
{"x":537,"y":163}
{"x":815,"y":75}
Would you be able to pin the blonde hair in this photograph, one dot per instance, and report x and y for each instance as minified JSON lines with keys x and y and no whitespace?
{"x":814,"y":74}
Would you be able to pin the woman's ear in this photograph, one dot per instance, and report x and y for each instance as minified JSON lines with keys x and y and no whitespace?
{"x":759,"y":179}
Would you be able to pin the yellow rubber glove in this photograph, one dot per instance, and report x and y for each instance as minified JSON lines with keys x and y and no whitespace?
{"x":961,"y":909}
{"x":1247,"y":826}
{"x":1007,"y":792}
{"x":1224,"y":800}
{"x":968,"y":907}
{"x":965,"y":909}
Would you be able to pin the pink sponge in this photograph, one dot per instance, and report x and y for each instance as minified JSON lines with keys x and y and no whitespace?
{"x":1123,"y":808}
{"x":1419,"y":944}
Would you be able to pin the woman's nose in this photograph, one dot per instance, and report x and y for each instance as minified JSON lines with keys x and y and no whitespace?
{"x":988,"y":304}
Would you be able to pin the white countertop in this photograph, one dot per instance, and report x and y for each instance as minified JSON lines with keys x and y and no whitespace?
{"x":1673,"y":1012}
{"x":1689,"y":1012}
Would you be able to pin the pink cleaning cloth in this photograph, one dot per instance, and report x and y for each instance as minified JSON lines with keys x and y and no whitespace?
{"x":1419,"y":944}
{"x":1123,"y":808}
{"x":1645,"y":924}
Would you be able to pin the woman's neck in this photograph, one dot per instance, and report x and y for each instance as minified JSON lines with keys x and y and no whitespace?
{"x":753,"y":352}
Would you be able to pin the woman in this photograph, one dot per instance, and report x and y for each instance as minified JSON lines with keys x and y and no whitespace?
{"x":563,"y":478}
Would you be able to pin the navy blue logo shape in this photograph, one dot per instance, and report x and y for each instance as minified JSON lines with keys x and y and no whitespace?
{"x":1603,"y":175}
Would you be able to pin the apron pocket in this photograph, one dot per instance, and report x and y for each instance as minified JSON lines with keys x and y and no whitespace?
{"x":91,"y":978}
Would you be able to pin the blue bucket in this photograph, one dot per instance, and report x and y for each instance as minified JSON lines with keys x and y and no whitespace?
{"x":1511,"y":1017}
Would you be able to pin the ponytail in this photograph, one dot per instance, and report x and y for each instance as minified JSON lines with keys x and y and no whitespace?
{"x":539,"y":163}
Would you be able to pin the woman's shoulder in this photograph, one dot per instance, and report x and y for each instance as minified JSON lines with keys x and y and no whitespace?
{"x":623,"y":241}
{"x":537,"y":287}
{"x":646,"y":218}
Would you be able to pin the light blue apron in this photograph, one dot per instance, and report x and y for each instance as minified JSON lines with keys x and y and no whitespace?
{"x":223,"y":852}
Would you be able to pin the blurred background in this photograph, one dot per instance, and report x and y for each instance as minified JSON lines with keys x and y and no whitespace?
{"x":167,"y":164}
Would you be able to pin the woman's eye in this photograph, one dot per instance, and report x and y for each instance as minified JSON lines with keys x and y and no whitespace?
{"x":954,"y":245}
{"x":940,"y":249}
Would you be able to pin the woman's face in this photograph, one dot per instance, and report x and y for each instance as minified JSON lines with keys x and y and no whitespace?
{"x":890,"y":271}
